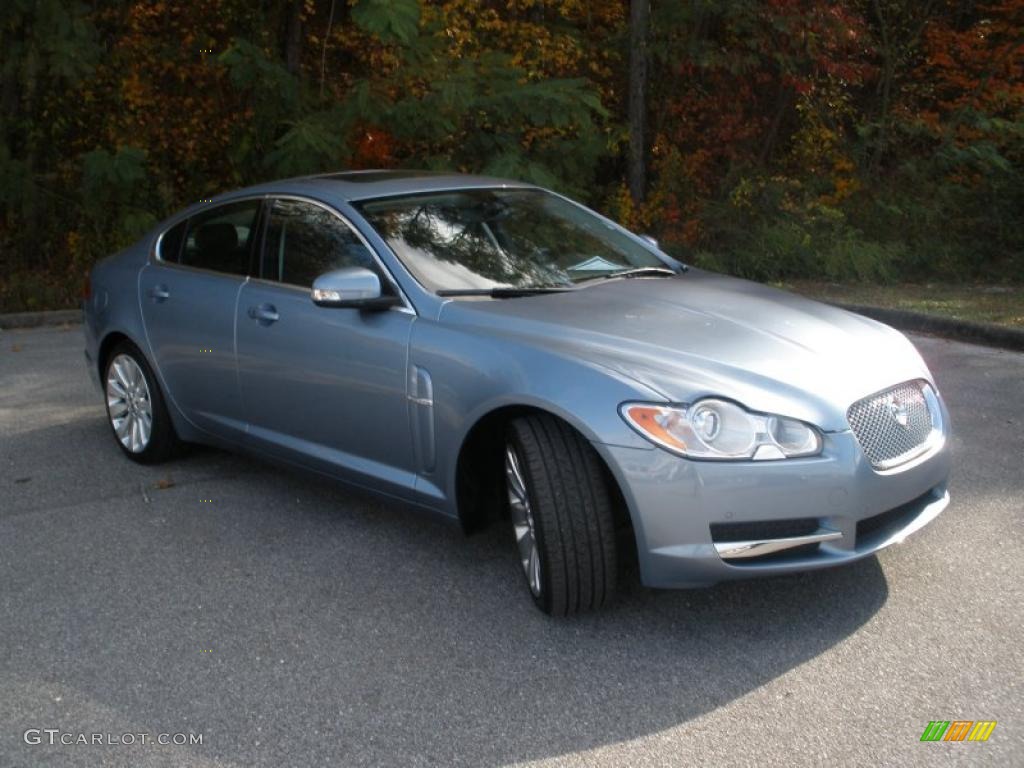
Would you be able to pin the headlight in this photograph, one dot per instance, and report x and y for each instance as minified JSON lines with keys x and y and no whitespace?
{"x":718,"y":429}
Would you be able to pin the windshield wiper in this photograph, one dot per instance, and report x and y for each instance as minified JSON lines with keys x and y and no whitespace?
{"x":503,"y":293}
{"x":634,"y":272}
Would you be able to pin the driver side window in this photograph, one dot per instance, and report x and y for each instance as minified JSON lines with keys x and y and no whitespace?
{"x":304,"y":240}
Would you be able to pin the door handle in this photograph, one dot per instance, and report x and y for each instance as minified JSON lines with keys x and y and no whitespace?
{"x":159,"y":293}
{"x":265,"y":314}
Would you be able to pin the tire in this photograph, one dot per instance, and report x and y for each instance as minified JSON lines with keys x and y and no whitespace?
{"x":568,"y":513}
{"x":127,"y":400}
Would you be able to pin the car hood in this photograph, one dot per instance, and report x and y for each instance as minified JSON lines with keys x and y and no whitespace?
{"x":701,"y":334}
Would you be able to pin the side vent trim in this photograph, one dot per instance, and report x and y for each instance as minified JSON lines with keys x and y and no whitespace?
{"x":421,"y":417}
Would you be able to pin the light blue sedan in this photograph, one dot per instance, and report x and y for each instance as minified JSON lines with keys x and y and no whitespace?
{"x":493,"y":351}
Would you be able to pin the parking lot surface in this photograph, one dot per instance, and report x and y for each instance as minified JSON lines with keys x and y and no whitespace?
{"x":295,"y":622}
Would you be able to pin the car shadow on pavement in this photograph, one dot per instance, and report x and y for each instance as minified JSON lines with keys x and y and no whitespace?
{"x":294,"y":621}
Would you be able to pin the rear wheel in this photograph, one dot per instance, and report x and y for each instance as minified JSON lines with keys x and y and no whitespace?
{"x":561,"y":511}
{"x":135,"y":407}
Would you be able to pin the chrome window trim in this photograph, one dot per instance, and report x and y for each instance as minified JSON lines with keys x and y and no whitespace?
{"x":155,"y":251}
{"x":154,"y":255}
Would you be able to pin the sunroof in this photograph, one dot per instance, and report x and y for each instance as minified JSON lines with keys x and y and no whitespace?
{"x":367,"y":177}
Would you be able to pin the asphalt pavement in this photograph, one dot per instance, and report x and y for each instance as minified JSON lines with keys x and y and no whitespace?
{"x":293,"y":622}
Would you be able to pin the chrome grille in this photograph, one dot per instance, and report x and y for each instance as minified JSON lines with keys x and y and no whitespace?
{"x":894,"y":426}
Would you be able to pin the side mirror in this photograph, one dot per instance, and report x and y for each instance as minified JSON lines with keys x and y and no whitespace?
{"x":650,"y":241}
{"x":351,"y":287}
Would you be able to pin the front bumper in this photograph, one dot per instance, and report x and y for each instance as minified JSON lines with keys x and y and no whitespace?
{"x":854,"y":509}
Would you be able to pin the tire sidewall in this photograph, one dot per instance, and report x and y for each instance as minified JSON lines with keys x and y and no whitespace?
{"x":572,"y":509}
{"x":159,"y":438}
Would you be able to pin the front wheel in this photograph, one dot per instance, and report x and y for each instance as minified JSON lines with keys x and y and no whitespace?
{"x":561,"y":511}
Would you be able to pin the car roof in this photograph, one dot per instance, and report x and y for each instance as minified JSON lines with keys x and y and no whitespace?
{"x":350,"y":187}
{"x":367,"y":184}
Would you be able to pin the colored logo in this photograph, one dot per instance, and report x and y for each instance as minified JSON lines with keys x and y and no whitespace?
{"x":958,"y":730}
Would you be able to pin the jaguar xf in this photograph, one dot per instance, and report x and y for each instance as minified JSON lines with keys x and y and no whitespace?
{"x":499,"y":354}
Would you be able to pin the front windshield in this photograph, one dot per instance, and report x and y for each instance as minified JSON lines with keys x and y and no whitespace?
{"x":502,"y":238}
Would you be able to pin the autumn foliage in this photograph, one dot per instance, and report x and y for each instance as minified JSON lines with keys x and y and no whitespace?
{"x":852,"y":140}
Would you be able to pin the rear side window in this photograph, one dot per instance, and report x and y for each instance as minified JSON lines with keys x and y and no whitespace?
{"x":170,"y":243}
{"x":221,"y":239}
{"x":304,"y":240}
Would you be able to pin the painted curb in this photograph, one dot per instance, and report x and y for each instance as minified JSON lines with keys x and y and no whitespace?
{"x":37,"y":319}
{"x":958,"y":330}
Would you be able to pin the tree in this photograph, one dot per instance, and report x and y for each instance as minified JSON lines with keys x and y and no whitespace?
{"x":639,"y":29}
{"x":770,"y":138}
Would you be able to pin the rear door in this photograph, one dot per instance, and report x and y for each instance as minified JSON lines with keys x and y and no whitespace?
{"x":325,"y":386}
{"x":188,"y":294}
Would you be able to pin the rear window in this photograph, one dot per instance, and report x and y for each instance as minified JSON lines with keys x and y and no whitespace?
{"x":220,"y":239}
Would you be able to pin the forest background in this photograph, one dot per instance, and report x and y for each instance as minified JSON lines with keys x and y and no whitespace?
{"x":861,"y":142}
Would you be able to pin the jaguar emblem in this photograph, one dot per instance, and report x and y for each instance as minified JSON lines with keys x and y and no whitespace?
{"x":899,"y":410}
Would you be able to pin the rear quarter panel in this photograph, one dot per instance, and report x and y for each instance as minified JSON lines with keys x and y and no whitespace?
{"x":113,"y":308}
{"x":113,"y":304}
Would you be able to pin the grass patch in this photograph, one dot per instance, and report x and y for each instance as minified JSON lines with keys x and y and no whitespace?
{"x":997,"y":304}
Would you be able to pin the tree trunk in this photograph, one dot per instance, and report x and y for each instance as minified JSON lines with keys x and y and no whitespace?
{"x":293,"y":38}
{"x":323,"y":52}
{"x":639,"y":23}
{"x":782,"y":102}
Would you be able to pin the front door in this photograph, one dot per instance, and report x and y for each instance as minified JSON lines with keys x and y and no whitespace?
{"x":324,"y":386}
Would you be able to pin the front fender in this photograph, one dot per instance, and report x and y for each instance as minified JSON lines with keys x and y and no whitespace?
{"x":473,"y":375}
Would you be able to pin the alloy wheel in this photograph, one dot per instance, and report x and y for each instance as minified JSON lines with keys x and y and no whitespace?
{"x":129,"y":404}
{"x":522,"y":520}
